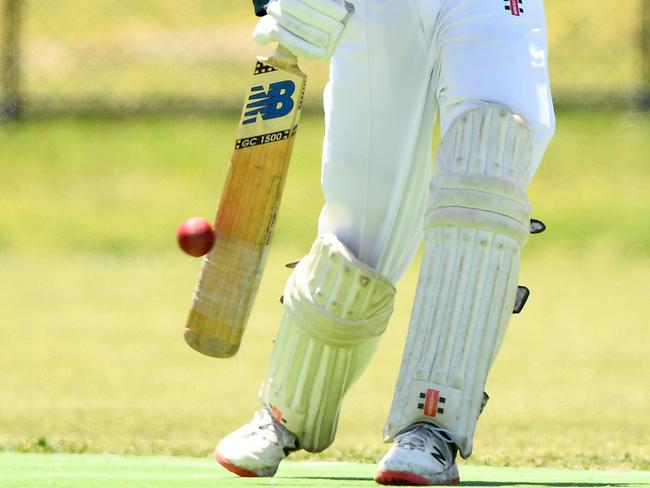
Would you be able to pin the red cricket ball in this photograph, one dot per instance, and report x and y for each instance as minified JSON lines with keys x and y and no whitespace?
{"x":195,"y":236}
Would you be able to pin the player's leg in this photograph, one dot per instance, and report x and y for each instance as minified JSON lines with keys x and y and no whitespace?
{"x":339,"y":298}
{"x":496,"y":119}
{"x":335,"y":309}
{"x":379,"y":123}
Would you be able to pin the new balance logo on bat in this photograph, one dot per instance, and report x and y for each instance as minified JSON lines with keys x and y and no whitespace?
{"x":271,"y":103}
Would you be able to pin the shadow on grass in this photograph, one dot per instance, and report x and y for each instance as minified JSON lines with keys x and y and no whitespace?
{"x":487,"y":483}
{"x":336,"y":478}
{"x":540,"y":483}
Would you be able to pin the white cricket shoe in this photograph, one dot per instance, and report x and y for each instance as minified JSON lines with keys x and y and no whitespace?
{"x":257,"y":448}
{"x":423,"y":455}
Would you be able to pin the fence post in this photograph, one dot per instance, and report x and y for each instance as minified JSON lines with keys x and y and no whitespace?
{"x":644,"y":96}
{"x":10,"y":77}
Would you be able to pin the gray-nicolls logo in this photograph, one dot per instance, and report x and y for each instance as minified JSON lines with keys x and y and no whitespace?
{"x":431,"y":403}
{"x":515,"y":7}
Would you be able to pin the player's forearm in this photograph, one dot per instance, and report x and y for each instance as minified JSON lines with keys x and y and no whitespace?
{"x":260,"y":7}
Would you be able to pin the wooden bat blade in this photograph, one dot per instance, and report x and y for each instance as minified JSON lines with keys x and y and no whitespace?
{"x":231,"y":272}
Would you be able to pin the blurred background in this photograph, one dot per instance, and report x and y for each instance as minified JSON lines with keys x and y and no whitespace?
{"x":116,"y":122}
{"x":155,"y":56}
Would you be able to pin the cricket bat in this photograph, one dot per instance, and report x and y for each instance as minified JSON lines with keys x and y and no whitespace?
{"x":250,"y":199}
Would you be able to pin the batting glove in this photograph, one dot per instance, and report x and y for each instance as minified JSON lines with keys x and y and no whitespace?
{"x":308,"y":28}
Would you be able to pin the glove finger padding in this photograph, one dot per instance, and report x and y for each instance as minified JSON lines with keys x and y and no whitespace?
{"x":334,"y":9}
{"x":308,"y":15}
{"x":305,"y":30}
{"x":297,"y":27}
{"x":268,"y":30}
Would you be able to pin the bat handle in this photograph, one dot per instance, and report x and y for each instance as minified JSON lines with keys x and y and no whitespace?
{"x":285,"y":56}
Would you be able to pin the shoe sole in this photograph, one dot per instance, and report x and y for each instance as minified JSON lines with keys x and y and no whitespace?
{"x":239,"y":471}
{"x":404,"y":478}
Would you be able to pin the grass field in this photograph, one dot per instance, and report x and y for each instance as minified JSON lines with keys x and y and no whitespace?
{"x":71,"y":471}
{"x":93,"y":296}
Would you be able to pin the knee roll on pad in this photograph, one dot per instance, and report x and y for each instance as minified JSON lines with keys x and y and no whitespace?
{"x":335,"y":309}
{"x":482,"y":174}
{"x":478,"y":218}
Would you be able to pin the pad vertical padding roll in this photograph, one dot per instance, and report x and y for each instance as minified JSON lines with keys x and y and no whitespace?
{"x":335,"y":310}
{"x":477,"y":221}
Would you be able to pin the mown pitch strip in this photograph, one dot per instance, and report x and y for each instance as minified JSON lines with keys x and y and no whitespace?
{"x":98,"y":471}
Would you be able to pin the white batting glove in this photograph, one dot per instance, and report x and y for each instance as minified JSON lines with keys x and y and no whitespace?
{"x":308,"y":28}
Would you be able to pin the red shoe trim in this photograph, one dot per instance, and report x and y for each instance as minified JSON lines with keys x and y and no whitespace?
{"x":405,"y":478}
{"x":234,"y":469}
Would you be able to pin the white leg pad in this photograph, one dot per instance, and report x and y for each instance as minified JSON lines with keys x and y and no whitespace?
{"x":477,"y":221}
{"x":335,"y":309}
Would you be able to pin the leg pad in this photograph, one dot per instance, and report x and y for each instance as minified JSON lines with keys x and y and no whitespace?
{"x":335,"y":309}
{"x":478,"y":219}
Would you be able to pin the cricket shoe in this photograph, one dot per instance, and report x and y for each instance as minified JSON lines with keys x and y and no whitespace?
{"x":423,"y":455}
{"x":257,"y":448}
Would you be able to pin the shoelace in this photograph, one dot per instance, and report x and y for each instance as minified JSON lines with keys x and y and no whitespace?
{"x":419,"y":437}
{"x":275,"y":432}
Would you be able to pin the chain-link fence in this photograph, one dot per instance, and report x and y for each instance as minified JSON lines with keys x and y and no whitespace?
{"x":166,"y":56}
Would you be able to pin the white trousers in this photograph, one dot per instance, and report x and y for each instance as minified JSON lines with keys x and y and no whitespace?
{"x":398,"y":65}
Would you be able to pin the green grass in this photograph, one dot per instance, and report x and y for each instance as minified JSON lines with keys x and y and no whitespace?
{"x":70,"y":471}
{"x":94,"y":293}
{"x":71,"y":178}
